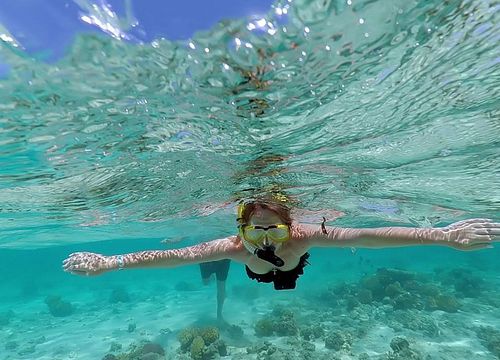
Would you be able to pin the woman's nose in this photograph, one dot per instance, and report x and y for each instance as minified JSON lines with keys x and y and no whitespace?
{"x":266,"y":241}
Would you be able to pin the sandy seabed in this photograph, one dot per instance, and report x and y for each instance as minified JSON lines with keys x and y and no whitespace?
{"x":335,"y":321}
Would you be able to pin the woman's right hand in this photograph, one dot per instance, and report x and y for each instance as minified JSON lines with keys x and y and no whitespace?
{"x":472,"y":234}
{"x":87,"y":263}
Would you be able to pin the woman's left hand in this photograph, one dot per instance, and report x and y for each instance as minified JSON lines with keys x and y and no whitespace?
{"x":472,"y":234}
{"x":87,"y":263}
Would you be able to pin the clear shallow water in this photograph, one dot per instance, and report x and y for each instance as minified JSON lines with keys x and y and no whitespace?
{"x":376,"y":113}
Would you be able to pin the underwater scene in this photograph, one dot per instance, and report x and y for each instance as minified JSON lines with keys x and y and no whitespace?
{"x":351,"y":113}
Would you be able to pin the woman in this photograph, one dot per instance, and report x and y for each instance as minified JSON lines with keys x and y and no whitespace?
{"x":274,"y":248}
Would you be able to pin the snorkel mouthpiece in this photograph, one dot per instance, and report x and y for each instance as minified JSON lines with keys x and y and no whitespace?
{"x":267,"y":254}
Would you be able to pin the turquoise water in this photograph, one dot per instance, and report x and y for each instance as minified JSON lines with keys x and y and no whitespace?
{"x":374,"y":113}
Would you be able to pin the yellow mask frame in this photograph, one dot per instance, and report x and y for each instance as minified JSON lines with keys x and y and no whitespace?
{"x":255,"y":234}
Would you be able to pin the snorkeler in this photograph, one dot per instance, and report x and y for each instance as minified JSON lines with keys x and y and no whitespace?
{"x":220,"y":268}
{"x":274,"y":248}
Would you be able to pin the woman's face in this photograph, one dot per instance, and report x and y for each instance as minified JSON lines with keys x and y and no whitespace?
{"x":265,"y":218}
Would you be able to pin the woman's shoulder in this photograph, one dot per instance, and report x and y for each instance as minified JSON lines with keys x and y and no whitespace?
{"x":233,"y":243}
{"x":309,"y":232}
{"x":302,"y":231}
{"x":237,"y":250}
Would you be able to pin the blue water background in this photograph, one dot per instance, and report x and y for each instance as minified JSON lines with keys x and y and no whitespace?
{"x":392,"y":157}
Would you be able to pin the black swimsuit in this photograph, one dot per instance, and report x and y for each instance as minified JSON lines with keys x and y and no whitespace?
{"x":283,"y":280}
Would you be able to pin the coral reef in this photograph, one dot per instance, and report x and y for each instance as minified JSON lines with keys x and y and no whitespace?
{"x":234,"y":332}
{"x":396,"y":285}
{"x":115,"y":346}
{"x":264,"y":349}
{"x":58,"y":307}
{"x":131,"y":327}
{"x":338,"y":340}
{"x":280,"y":322}
{"x":414,"y":320}
{"x":491,"y":339}
{"x":186,"y":336}
{"x":386,"y":282}
{"x":407,"y":301}
{"x":364,"y":296}
{"x":209,"y":335}
{"x":264,"y":327}
{"x":285,"y":323}
{"x":201,"y":343}
{"x":401,"y":350}
{"x":141,"y":351}
{"x":352,"y":302}
{"x":333,"y":293}
{"x":464,"y":283}
{"x":394,"y":290}
{"x":401,"y":289}
{"x":312,"y":332}
{"x":446,"y":302}
{"x":197,"y":348}
{"x":295,"y":350}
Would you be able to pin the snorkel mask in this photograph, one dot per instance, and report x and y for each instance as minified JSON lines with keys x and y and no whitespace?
{"x":253,"y":237}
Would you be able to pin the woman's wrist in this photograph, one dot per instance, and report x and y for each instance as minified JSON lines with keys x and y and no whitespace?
{"x":116,"y":262}
{"x":437,"y":235}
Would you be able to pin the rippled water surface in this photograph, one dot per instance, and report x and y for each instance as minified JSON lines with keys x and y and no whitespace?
{"x":384,"y":112}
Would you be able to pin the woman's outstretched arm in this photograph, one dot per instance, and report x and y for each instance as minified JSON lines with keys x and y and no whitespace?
{"x":470,"y":234}
{"x":87,"y":263}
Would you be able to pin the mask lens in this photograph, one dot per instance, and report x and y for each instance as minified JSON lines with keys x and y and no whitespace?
{"x":254,"y":235}
{"x":279,"y":234}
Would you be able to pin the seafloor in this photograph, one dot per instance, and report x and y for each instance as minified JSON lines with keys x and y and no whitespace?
{"x":386,"y":313}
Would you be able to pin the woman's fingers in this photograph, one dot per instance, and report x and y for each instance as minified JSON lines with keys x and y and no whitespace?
{"x":474,"y":234}
{"x":82,"y":263}
{"x":488,"y":231}
{"x":479,"y":239}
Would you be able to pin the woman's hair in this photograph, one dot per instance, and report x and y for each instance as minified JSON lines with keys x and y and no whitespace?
{"x":281,"y":210}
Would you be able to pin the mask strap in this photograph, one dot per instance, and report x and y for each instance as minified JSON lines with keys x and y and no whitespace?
{"x":241,"y":210}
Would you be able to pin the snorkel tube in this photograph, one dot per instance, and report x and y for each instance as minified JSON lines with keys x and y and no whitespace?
{"x":267,"y":254}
